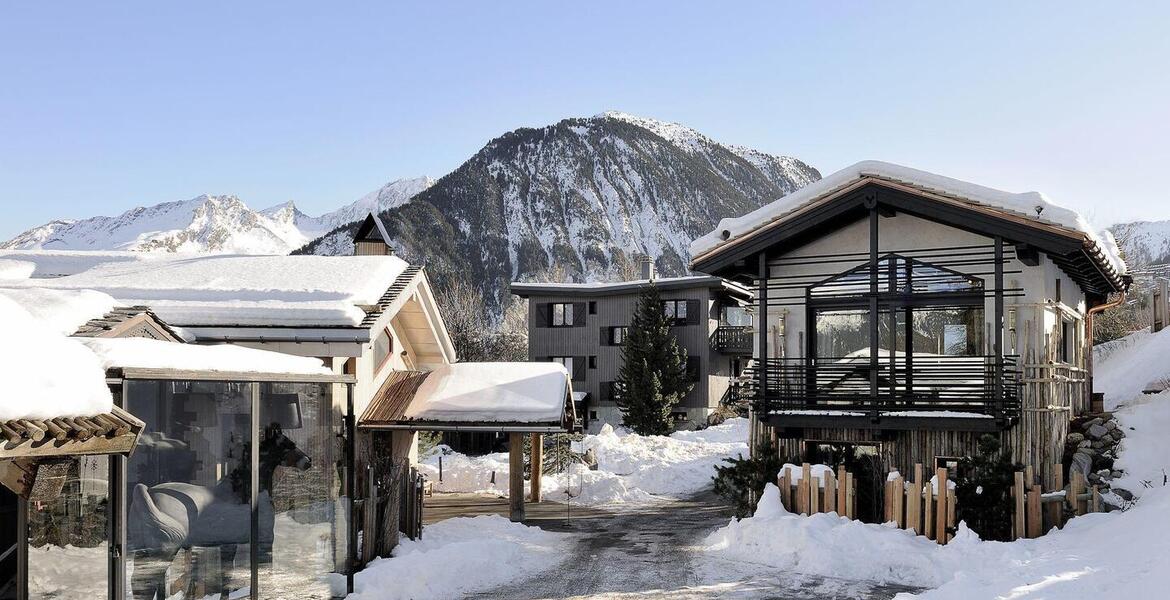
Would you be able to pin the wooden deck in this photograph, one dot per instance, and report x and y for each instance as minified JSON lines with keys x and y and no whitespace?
{"x":544,"y":514}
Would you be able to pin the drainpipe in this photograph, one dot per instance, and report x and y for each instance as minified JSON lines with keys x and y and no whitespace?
{"x":1100,"y":308}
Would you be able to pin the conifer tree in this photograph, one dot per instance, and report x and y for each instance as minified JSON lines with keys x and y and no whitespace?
{"x":984,"y":490}
{"x":653,"y":377}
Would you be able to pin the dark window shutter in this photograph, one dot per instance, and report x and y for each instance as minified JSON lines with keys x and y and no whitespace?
{"x":578,"y":314}
{"x":579,"y":368}
{"x":604,"y":392}
{"x":543,"y":314}
{"x":693,"y":367}
{"x":693,"y":315}
{"x":606,"y":339}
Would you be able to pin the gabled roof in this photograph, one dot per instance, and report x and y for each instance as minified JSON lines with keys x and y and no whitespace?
{"x":372,"y":230}
{"x":409,"y":278}
{"x":526,"y":289}
{"x":1092,"y":259}
{"x":128,"y":321}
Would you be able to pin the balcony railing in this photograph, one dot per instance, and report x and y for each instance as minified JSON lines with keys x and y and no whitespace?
{"x":922,"y":384}
{"x":732,"y":339}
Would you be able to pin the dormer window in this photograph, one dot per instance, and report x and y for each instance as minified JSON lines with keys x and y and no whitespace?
{"x":383,"y":348}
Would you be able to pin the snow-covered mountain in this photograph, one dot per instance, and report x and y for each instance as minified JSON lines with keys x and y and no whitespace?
{"x":210,"y":224}
{"x":577,"y":199}
{"x":1145,"y":243}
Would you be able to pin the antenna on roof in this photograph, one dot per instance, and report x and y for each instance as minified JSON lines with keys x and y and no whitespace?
{"x":1039,"y":209}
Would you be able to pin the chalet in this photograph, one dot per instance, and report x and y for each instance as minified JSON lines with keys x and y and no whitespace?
{"x":583,"y":325}
{"x":901,"y":315}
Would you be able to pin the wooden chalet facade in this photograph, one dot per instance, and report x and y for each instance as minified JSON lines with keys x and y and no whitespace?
{"x":904,"y":315}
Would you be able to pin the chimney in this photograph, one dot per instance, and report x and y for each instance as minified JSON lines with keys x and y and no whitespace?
{"x":371,"y":238}
{"x":645,"y":266}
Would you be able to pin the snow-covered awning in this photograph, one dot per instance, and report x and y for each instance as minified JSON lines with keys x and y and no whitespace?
{"x":502,"y":396}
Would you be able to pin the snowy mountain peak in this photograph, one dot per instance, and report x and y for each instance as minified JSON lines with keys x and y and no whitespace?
{"x":675,"y":133}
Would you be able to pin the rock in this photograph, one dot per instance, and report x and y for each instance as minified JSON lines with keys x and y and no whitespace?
{"x":1097,"y":430}
{"x":1097,"y":444}
{"x":1081,"y":462}
{"x":1118,"y":433}
{"x":1088,"y":452}
{"x":591,"y":459}
{"x":1094,"y":421}
{"x":1084,"y":444}
{"x":1094,"y":478}
{"x":1124,"y":494}
{"x":1110,"y":425}
{"x":1075,"y":438}
{"x":1116,"y":474}
{"x":1108,"y":416}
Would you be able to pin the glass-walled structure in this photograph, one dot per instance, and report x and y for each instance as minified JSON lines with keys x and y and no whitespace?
{"x":239,"y":487}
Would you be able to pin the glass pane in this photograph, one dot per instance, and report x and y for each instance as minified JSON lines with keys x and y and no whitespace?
{"x":568,"y":314}
{"x":558,"y":314}
{"x":948,"y":331}
{"x":382,"y":347}
{"x":67,"y":555}
{"x":680,"y":309}
{"x":737,"y":316}
{"x":188,"y":490}
{"x":668,"y":309}
{"x":842,"y":333}
{"x":302,"y":520}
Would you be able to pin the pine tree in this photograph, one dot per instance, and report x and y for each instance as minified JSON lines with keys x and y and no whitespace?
{"x":742,"y":480}
{"x":984,"y":490}
{"x":653,"y":378}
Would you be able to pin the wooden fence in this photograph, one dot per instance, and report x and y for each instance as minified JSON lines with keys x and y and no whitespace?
{"x":926,"y":507}
{"x":1036,"y":512}
{"x":811,"y":494}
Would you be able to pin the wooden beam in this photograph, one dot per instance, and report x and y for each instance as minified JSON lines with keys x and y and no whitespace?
{"x":940,"y":513}
{"x":516,"y":476}
{"x":537,"y":466}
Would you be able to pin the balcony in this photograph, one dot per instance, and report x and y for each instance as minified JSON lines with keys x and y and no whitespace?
{"x":733,"y":339}
{"x":974,"y":393}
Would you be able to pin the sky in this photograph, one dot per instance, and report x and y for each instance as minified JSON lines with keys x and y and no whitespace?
{"x":105,"y":107}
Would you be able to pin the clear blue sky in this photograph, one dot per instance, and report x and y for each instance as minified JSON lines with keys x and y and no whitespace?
{"x":104,"y":107}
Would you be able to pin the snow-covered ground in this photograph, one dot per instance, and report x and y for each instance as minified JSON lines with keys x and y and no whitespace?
{"x":459,"y":556}
{"x":1115,"y":555}
{"x":631,"y":468}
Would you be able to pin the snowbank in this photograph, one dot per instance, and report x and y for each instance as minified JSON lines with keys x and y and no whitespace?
{"x":631,"y":468}
{"x":61,"y":310}
{"x":1081,"y":561}
{"x":143,"y":353}
{"x":1022,"y":204}
{"x":517,"y":392}
{"x":460,"y":556}
{"x":15,"y":269}
{"x":48,"y":375}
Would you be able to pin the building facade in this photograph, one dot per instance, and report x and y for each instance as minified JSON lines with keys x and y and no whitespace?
{"x":907,"y":314}
{"x":582,"y":326}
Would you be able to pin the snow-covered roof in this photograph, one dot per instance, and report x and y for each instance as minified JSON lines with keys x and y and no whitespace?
{"x":144,"y":353}
{"x":499,"y":392}
{"x":1021,"y":204}
{"x":525,"y":289}
{"x":47,"y":374}
{"x":63,"y":311}
{"x":230,"y":289}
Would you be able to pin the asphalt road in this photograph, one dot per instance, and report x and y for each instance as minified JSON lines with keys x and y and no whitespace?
{"x":651,"y":552}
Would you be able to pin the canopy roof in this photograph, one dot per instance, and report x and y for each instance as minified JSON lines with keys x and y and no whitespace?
{"x":528,"y":396}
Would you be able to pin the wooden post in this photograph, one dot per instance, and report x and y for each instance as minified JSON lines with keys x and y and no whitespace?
{"x":899,"y":502}
{"x":1018,"y":498}
{"x":914,"y":514}
{"x":1056,"y":509}
{"x":951,"y":505}
{"x":783,"y":482}
{"x":928,"y":510}
{"x":814,"y":495}
{"x":940,"y":512}
{"x":1035,"y":527}
{"x":516,"y":476}
{"x":805,"y":483}
{"x":850,"y":496}
{"x":842,"y":489}
{"x":537,"y":469}
{"x":830,"y":492}
{"x":1096,"y":507}
{"x":1075,"y":489}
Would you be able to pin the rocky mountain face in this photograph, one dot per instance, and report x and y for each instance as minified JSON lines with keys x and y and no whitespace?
{"x":209,"y":224}
{"x":576,"y":200}
{"x":1145,"y":243}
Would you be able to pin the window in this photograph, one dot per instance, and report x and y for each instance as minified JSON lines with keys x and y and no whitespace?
{"x":676,"y":311}
{"x":564,"y":360}
{"x":592,"y":415}
{"x":950,"y":463}
{"x":736,"y":316}
{"x":592,"y":362}
{"x":1068,"y":340}
{"x":383,"y":347}
{"x":694,"y":368}
{"x":1058,"y":289}
{"x":562,"y":314}
{"x":592,"y":307}
{"x":617,"y":335}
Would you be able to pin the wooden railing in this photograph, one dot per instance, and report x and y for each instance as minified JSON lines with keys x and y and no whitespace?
{"x":733,"y":339}
{"x":969,"y":384}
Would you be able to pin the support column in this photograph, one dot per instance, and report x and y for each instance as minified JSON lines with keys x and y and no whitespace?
{"x":537,"y":466}
{"x":516,"y":476}
{"x":873,"y":307}
{"x":762,"y":335}
{"x":998,"y":326}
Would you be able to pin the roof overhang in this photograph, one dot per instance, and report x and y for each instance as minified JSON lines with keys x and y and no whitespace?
{"x":1071,"y":250}
{"x":730,"y":288}
{"x":128,"y":373}
{"x":115,"y":432}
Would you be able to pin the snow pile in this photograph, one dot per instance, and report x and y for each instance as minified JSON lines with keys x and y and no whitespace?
{"x":48,"y":375}
{"x":631,"y":468}
{"x":235,"y":290}
{"x":519,"y":392}
{"x":460,"y":556}
{"x":143,"y":353}
{"x":1023,"y":204}
{"x":1080,"y":561}
{"x":796,"y":472}
{"x":57,"y":263}
{"x":15,"y":269}
{"x":62,"y":311}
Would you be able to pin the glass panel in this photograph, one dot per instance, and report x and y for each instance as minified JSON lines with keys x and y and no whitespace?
{"x":383,"y":344}
{"x":67,"y":555}
{"x":188,"y":490}
{"x":842,"y":333}
{"x":558,"y":314}
{"x":737,"y":316}
{"x":302,"y":519}
{"x":568,"y":314}
{"x":948,"y":331}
